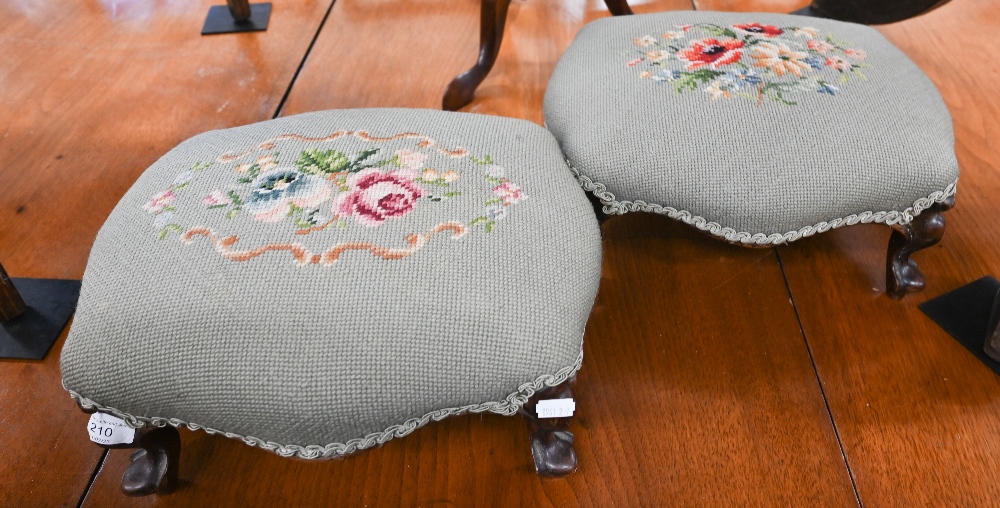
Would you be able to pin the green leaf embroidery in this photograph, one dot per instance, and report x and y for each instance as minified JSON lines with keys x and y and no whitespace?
{"x":235,"y":197}
{"x":315,"y":161}
{"x":485,"y":161}
{"x":168,"y":228}
{"x":357,"y":164}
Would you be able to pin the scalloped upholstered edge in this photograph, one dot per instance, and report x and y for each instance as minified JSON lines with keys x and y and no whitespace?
{"x":613,"y":207}
{"x":508,"y":406}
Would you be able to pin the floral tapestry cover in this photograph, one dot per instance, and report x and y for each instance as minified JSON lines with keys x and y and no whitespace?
{"x":343,"y":187}
{"x":752,"y":61}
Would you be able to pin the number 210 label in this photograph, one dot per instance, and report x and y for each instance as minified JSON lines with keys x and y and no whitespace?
{"x":109,"y":430}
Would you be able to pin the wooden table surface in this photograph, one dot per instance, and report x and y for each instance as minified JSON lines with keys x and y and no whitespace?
{"x":714,"y":375}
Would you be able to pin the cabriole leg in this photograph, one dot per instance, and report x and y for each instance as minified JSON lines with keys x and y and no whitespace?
{"x":902,"y":275}
{"x":551,"y":441}
{"x":154,"y":464}
{"x":462,"y":89}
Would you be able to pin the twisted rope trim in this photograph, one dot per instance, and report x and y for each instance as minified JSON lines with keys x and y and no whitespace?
{"x":613,"y":207}
{"x":508,"y":406}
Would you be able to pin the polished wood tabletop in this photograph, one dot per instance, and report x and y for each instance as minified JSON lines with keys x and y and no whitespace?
{"x":713,"y":375}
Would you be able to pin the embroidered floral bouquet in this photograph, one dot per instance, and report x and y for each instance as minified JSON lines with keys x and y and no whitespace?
{"x":749,"y":60}
{"x":330,"y":190}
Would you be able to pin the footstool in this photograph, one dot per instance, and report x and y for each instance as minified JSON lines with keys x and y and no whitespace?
{"x":759,"y":129}
{"x":321,"y":284}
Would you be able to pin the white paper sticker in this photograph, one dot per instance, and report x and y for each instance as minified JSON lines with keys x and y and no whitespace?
{"x":106,"y":429}
{"x":555,"y":408}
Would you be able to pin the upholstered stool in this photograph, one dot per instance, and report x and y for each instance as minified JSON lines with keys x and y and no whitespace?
{"x":759,"y":129}
{"x":320,"y":284}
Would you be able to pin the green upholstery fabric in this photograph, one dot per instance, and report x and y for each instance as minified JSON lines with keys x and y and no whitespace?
{"x":760,"y":128}
{"x":322,"y":283}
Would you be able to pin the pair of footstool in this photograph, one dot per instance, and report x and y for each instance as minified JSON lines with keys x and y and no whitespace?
{"x":320,"y":284}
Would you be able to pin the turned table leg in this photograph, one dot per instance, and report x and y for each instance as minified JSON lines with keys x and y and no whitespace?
{"x":902,"y":275}
{"x":551,"y":440}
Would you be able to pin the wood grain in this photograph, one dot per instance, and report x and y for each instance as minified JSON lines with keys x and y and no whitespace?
{"x":91,"y":93}
{"x":919,"y":415}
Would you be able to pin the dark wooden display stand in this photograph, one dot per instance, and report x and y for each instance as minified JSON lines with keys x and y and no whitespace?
{"x":237,"y":16}
{"x":33,"y":313}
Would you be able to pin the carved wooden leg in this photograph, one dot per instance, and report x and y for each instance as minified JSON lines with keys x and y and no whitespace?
{"x":154,"y":464}
{"x":11,"y":304}
{"x":618,"y":7}
{"x":901,"y":274}
{"x":551,"y":440}
{"x":492,"y":19}
{"x":240,"y":9}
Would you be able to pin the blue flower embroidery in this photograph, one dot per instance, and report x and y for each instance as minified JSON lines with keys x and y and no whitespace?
{"x":827,"y":88}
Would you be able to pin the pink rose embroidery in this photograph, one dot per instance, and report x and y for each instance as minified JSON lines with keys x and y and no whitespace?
{"x":160,"y":202}
{"x":510,"y":193}
{"x":375,"y":196}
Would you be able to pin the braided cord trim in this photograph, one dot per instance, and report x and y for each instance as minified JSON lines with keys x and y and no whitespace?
{"x":508,"y":406}
{"x":614,"y":207}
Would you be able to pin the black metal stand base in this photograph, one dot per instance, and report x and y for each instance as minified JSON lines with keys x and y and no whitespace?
{"x":220,"y":20}
{"x":50,"y":303}
{"x":965,"y":314}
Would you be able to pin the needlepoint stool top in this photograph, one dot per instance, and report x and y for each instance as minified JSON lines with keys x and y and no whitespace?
{"x":761,"y":128}
{"x":322,"y":283}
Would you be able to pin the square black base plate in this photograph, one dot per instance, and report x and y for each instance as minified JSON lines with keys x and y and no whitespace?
{"x":50,"y":304}
{"x":220,"y":21}
{"x":965,"y":314}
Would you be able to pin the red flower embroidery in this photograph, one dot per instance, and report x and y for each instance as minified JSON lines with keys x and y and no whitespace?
{"x":712,"y":52}
{"x":376,"y":196}
{"x":759,"y":29}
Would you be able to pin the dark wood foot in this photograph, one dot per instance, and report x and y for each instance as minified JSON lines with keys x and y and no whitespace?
{"x":618,"y":7}
{"x":902,"y":275}
{"x":154,"y":464}
{"x":551,"y":441}
{"x":462,"y":89}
